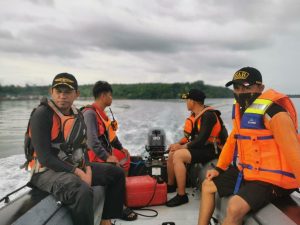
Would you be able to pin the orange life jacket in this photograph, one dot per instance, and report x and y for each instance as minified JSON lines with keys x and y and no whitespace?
{"x":69,"y":128}
{"x":193,"y":125}
{"x":110,"y":126}
{"x":109,"y":133}
{"x":258,"y":154}
{"x":214,"y":135}
{"x":188,"y":128}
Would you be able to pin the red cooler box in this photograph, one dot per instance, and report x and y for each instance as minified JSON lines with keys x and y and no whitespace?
{"x":140,"y":190}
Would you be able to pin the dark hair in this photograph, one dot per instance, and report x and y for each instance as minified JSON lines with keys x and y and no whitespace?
{"x":101,"y":87}
{"x":201,"y":102}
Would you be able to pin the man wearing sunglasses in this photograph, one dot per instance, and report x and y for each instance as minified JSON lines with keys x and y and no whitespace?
{"x":261,"y":157}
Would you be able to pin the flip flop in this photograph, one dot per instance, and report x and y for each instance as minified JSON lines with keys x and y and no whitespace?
{"x":128,"y":215}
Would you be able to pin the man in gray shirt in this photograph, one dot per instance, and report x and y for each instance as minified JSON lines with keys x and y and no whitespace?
{"x":102,"y":141}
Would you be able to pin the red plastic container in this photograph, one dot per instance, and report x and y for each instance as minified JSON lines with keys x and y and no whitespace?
{"x":140,"y":189}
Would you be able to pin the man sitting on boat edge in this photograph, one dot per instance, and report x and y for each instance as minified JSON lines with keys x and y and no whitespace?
{"x":201,"y":144}
{"x":102,"y":140}
{"x":263,"y":146}
{"x":60,"y":165}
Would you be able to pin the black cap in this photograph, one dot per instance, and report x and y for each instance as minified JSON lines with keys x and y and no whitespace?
{"x":195,"y":95}
{"x":246,"y":76}
{"x":65,"y":79}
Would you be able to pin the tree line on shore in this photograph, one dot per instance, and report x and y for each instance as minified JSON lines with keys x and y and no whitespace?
{"x":124,"y":91}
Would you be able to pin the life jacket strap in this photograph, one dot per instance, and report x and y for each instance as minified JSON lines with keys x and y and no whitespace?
{"x":243,"y":137}
{"x":281,"y":172}
{"x":238,"y":182}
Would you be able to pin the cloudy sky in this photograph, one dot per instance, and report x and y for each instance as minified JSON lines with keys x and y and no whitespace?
{"x":125,"y":41}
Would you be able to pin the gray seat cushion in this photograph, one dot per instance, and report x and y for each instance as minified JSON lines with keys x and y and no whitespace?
{"x":48,"y":209}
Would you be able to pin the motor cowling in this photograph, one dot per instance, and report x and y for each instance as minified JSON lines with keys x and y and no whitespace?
{"x":156,"y":143}
{"x":156,"y":164}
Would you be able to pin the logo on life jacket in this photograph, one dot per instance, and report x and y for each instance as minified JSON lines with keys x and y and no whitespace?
{"x":251,"y":121}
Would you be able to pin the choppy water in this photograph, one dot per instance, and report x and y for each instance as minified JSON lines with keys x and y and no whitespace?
{"x":135,"y":118}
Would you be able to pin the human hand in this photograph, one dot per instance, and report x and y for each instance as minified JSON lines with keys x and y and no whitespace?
{"x":174,"y":147}
{"x":114,"y":125}
{"x":84,"y":176}
{"x":112,"y":159}
{"x":210,"y":174}
{"x":126,"y":152}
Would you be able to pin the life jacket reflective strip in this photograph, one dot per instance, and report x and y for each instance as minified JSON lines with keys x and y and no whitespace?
{"x":60,"y":124}
{"x":258,"y":154}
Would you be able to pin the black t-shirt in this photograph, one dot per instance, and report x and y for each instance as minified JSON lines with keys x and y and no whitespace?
{"x":208,"y":121}
{"x":274,"y":109}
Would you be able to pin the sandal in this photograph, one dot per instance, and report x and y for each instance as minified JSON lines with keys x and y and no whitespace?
{"x":128,"y":215}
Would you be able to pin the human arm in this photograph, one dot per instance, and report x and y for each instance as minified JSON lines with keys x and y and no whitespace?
{"x":210,"y":174}
{"x":227,"y":152}
{"x":93,"y":141}
{"x":285,"y":135}
{"x":86,"y":175}
{"x":117,"y":144}
{"x":176,"y":146}
{"x":208,"y":120}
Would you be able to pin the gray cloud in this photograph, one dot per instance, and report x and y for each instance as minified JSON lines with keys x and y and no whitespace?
{"x":5,"y":34}
{"x":43,"y":2}
{"x":151,"y":38}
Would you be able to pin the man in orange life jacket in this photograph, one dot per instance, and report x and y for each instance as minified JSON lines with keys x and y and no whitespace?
{"x":60,"y":166}
{"x":102,"y":140}
{"x":263,"y":147}
{"x":101,"y":131}
{"x":202,"y":144}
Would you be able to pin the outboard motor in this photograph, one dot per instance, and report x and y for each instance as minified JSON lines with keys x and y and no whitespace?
{"x":156,"y":163}
{"x":149,"y":188}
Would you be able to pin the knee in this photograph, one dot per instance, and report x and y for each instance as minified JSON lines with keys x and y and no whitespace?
{"x":78,"y":193}
{"x":208,"y":187}
{"x":170,"y":157}
{"x":118,"y":174}
{"x":177,"y":157}
{"x":234,"y":210}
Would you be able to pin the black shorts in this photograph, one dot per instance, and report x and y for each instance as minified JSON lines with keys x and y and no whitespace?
{"x":203,"y":154}
{"x":256,"y":193}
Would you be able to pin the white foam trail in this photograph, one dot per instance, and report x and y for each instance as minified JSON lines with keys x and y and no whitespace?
{"x":12,"y":177}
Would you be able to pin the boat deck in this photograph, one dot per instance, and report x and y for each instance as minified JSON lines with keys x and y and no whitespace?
{"x":285,"y":212}
{"x":184,"y":214}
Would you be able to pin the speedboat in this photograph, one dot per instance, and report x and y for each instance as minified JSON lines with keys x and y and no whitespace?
{"x":39,"y":208}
